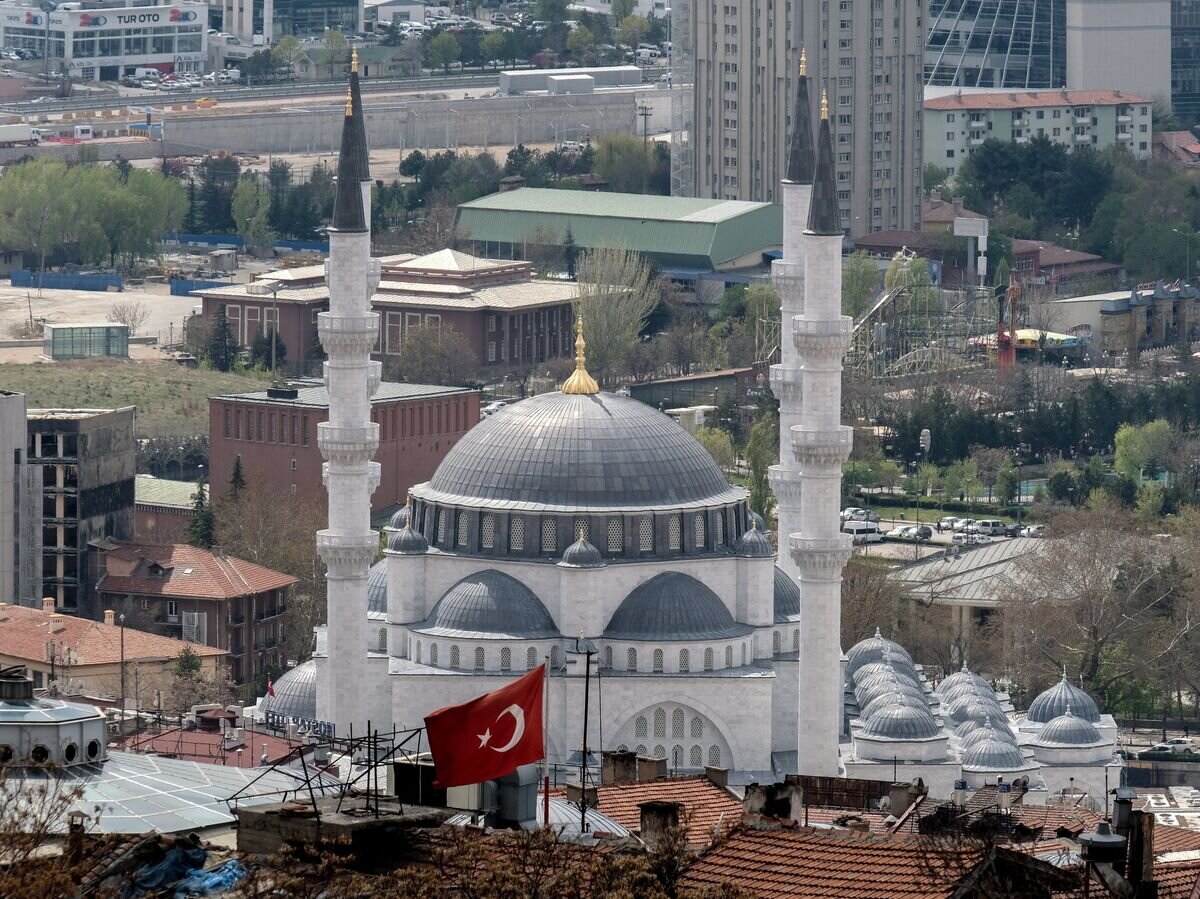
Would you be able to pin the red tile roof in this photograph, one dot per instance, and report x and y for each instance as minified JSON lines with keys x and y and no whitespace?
{"x":208,"y":746}
{"x":1032,"y":99}
{"x":937,"y":210}
{"x":1177,"y":880}
{"x":192,"y":572}
{"x":1168,"y":838}
{"x":24,"y":633}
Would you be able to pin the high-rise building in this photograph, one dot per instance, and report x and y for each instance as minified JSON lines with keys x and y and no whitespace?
{"x":1121,"y":45}
{"x":1185,"y":57}
{"x":1008,"y":43}
{"x":20,"y":508}
{"x":735,"y":99}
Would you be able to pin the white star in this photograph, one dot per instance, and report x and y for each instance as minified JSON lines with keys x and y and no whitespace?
{"x":484,"y":737}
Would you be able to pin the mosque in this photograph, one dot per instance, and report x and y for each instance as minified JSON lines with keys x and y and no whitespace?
{"x":585,"y":529}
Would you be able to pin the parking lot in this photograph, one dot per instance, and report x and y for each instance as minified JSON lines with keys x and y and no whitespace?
{"x":926,"y":531}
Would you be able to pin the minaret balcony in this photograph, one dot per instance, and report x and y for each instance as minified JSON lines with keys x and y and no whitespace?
{"x":347,"y":446}
{"x":820,"y":558}
{"x":347,"y":553}
{"x":786,"y":483}
{"x":348,"y":334}
{"x":822,"y":339}
{"x":787,"y":383}
{"x":822,"y":447}
{"x":374,"y":377}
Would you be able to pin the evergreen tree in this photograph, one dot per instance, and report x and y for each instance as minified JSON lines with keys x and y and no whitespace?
{"x":202,"y":531}
{"x":237,"y":480}
{"x":570,"y":253}
{"x":260,"y":350}
{"x":221,"y":348}
{"x":218,"y":178}
{"x":191,"y":218}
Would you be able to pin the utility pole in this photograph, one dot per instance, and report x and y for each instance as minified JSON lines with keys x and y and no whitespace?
{"x":644,"y":111}
{"x":588,"y":649}
{"x":121,"y":620}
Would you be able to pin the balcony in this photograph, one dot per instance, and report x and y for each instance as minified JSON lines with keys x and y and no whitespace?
{"x":1124,"y":118}
{"x":264,"y":614}
{"x":1082,"y":138}
{"x":235,"y":651}
{"x":1124,"y":135}
{"x":1083,"y":120}
{"x":235,"y":620}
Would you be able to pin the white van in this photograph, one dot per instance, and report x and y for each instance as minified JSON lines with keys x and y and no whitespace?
{"x":863,"y":531}
{"x":991,"y":526}
{"x":644,"y":55}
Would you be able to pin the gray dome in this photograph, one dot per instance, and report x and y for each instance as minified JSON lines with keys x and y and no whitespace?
{"x":1068,"y":730}
{"x":582,"y":554}
{"x":408,"y":541}
{"x":295,"y":693}
{"x":901,"y":722}
{"x":787,"y":598}
{"x":872,"y":650}
{"x":987,"y":731}
{"x":402,"y":518}
{"x":757,"y":519}
{"x":888,"y":682}
{"x":889,"y":698}
{"x":488,"y":605}
{"x":755,"y":543}
{"x":967,"y":688}
{"x":1054,"y":703}
{"x":972,"y":705}
{"x":963,"y":676}
{"x":673,"y":606}
{"x":994,"y":755}
{"x":874,"y":669}
{"x":377,"y":587}
{"x":571,"y":452}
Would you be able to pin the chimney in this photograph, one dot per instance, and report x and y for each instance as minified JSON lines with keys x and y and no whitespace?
{"x":576,"y":794}
{"x":649,"y":769}
{"x":958,"y":205}
{"x":618,"y":767}
{"x":48,"y":604}
{"x":785,"y":800}
{"x":1140,"y":867}
{"x":657,"y":818}
{"x":898,"y":800}
{"x":56,"y":624}
{"x":110,"y":617}
{"x":717,"y":776}
{"x":935,"y":196}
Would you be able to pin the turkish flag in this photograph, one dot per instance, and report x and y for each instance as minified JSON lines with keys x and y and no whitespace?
{"x":489,"y":736}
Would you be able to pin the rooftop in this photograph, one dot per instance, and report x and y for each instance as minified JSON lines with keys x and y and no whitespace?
{"x":151,"y":491}
{"x":312,"y":393}
{"x":177,"y":569}
{"x":25,"y":631}
{"x":516,"y":295}
{"x":1002,"y":99}
{"x":70,"y":414}
{"x":211,"y":746}
{"x":935,"y":210}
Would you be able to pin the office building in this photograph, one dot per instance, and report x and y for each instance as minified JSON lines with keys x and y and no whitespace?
{"x":87,"y":463}
{"x":1121,"y":45}
{"x":272,"y":19}
{"x":20,"y":508}
{"x":1185,"y":58}
{"x":866,"y":57}
{"x":1008,"y":43}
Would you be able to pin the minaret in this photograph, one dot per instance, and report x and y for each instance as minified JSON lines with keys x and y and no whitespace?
{"x":362,"y":162}
{"x":349,"y":438}
{"x":788,"y":275}
{"x":820,"y":445}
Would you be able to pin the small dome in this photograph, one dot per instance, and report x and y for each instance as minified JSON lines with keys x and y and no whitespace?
{"x":402,"y":518}
{"x":295,"y":693}
{"x":890,"y":698}
{"x":890,"y":682}
{"x":963,"y":676}
{"x":900,"y":666}
{"x":1054,"y":703}
{"x":758,"y":520}
{"x":987,"y":731}
{"x":994,"y":755}
{"x":488,"y":605}
{"x":1068,"y":730}
{"x":967,"y":688}
{"x":408,"y":541}
{"x":901,"y":722}
{"x":582,"y":554}
{"x":972,"y":705}
{"x":872,"y":650}
{"x":787,"y":598}
{"x":974,"y":725}
{"x":377,"y":587}
{"x":673,"y":606}
{"x":755,"y":543}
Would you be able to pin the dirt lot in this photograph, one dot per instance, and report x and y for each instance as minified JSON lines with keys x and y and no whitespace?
{"x":61,"y":306}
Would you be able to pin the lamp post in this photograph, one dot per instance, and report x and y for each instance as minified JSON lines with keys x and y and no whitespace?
{"x":262,"y":288}
{"x":121,"y":621}
{"x":587,"y":649}
{"x":1187,"y":236}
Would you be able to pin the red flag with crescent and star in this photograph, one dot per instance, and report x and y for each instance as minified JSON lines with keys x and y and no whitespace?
{"x":489,"y":736}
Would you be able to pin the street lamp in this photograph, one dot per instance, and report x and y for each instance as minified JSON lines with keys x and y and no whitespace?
{"x":1187,"y":236}
{"x":121,"y":621}
{"x":262,"y":288}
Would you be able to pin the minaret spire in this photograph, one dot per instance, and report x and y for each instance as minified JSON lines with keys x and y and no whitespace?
{"x":580,"y":383}
{"x":823,"y":217}
{"x":800,"y":152}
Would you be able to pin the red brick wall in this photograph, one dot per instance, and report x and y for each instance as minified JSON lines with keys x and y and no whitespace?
{"x":159,"y":524}
{"x":296,"y":324}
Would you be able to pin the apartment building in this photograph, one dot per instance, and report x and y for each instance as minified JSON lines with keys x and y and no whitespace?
{"x":956,"y":124}
{"x":866,"y":54}
{"x":20,"y":508}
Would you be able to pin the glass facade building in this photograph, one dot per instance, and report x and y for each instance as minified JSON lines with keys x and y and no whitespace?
{"x":305,"y":18}
{"x":1185,"y":57}
{"x":60,"y":342}
{"x":997,"y":43}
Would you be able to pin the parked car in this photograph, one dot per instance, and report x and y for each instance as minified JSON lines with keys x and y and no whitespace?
{"x":1180,"y":744}
{"x":1034,"y":530}
{"x":923,"y":532}
{"x":946,"y":523}
{"x":990,"y":526}
{"x":1012,"y":530}
{"x":978,"y":539}
{"x":493,"y":407}
{"x":850,"y":511}
{"x":896,"y":533}
{"x":961,"y":525}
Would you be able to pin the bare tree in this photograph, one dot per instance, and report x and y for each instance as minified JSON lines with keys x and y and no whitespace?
{"x":616,"y":296}
{"x":131,"y":313}
{"x":34,"y":813}
{"x":871,"y":599}
{"x":435,"y":354}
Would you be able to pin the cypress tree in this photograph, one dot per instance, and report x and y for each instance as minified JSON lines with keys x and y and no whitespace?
{"x":221,"y":346}
{"x":203,"y":526}
{"x":237,"y":480}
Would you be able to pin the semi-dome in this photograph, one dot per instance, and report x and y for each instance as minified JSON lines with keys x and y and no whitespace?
{"x":961,"y":677}
{"x":1068,"y":730}
{"x":295,"y":693}
{"x":755,"y":543}
{"x":872,"y":649}
{"x":408,"y":541}
{"x":582,"y":554}
{"x":1054,"y":702}
{"x":787,"y":598}
{"x":892,"y":697}
{"x":572,"y":452}
{"x":994,"y":755}
{"x":673,"y":606}
{"x":377,"y":588}
{"x":488,"y":605}
{"x":901,"y":722}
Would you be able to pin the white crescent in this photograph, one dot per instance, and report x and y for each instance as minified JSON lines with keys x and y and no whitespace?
{"x":518,"y":714}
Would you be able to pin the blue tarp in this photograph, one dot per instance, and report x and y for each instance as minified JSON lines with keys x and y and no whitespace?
{"x":221,"y":879}
{"x":182,"y":287}
{"x":320,"y":246}
{"x":65,"y":281}
{"x":212,"y":240}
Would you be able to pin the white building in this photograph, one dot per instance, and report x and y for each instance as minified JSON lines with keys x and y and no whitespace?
{"x":20,"y":508}
{"x":103,"y":41}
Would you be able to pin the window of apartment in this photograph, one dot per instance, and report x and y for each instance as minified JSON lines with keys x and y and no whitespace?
{"x":1056,"y":114}
{"x":844,"y":119}
{"x":949,"y":154}
{"x":271,"y":428}
{"x":172,"y":609}
{"x":262,"y":423}
{"x":845,"y":43}
{"x":1142,"y":129}
{"x":843,"y":157}
{"x":1141,"y":145}
{"x":304,"y":430}
{"x":949,"y":117}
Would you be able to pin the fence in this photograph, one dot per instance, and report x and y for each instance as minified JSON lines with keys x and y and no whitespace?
{"x":182,"y":287}
{"x":320,"y":246}
{"x":211,"y":240}
{"x":65,"y":281}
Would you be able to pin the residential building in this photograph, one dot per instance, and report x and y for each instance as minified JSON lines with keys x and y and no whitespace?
{"x":203,"y":595}
{"x":1120,"y":44}
{"x":957,"y":124}
{"x":87,"y":460}
{"x":868,"y":60}
{"x":78,"y":655}
{"x":1185,"y":58}
{"x":938,"y":214}
{"x":1180,"y":149}
{"x":20,"y":508}
{"x":274,"y":432}
{"x":1018,"y":44}
{"x":162,"y":509}
{"x":110,"y":38}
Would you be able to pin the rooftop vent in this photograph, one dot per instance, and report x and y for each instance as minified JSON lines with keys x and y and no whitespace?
{"x":282,"y":393}
{"x":15,"y":684}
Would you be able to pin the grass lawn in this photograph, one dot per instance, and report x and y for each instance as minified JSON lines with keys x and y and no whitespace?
{"x":171,"y":400}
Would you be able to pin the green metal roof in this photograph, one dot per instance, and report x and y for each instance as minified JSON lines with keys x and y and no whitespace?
{"x":676,"y":231}
{"x":153,"y":491}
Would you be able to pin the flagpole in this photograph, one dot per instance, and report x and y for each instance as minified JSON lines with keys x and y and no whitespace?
{"x":545,"y":744}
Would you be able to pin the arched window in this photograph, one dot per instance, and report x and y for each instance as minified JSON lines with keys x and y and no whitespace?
{"x":506,"y":659}
{"x":676,"y":756}
{"x":796,"y":640}
{"x":608,"y":657}
{"x":516,"y":534}
{"x":432,"y":653}
{"x":645,"y":535}
{"x":461,"y":528}
{"x":631,"y":659}
{"x":677,"y":723}
{"x":441,"y":527}
{"x":383,"y":639}
{"x":714,"y":756}
{"x":720,"y":519}
{"x":684,"y":660}
{"x":418,"y":651}
{"x":660,"y":752}
{"x":697,"y":725}
{"x":531,"y":658}
{"x":616,"y":537}
{"x":641,"y":750}
{"x":556,"y":657}
{"x":660,"y":724}
{"x":641,"y":727}
{"x":621,"y":747}
{"x":728,"y":656}
{"x":776,"y":643}
{"x":549,"y":535}
{"x":658,"y":660}
{"x":455,"y":657}
{"x":698,"y":531}
{"x":675,"y":532}
{"x":708,"y":659}
{"x":697,"y":757}
{"x":478,"y":658}
{"x":487,"y":530}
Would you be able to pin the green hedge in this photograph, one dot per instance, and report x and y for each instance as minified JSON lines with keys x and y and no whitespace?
{"x":1147,"y":756}
{"x":934,"y":505}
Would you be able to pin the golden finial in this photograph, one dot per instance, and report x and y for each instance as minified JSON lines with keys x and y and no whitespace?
{"x":824,"y":104}
{"x":754,"y":524}
{"x":408,"y":501}
{"x":580,"y":383}
{"x":803,"y":62}
{"x":354,"y":60}
{"x":582,"y":535}
{"x":349,"y":104}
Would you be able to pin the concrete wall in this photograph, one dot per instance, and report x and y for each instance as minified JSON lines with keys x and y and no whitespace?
{"x":1120,"y":44}
{"x":105,"y":150}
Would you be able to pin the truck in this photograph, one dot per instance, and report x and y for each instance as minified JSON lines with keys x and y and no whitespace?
{"x":19,"y":135}
{"x":147,"y":72}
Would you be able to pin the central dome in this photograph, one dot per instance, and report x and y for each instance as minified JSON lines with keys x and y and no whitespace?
{"x":571,"y":452}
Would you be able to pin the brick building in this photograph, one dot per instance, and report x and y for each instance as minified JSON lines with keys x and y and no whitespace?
{"x":275,"y":433}
{"x":163,"y":509}
{"x":508,"y":317}
{"x":201,"y":595}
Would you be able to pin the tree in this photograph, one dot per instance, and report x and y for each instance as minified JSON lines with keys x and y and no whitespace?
{"x":632,"y":30}
{"x":35,"y":212}
{"x":435,"y":354}
{"x":1006,"y":481}
{"x":570,"y":254}
{"x":413,"y":164}
{"x":719,"y":446}
{"x":552,"y":11}
{"x":761,"y":453}
{"x":622,"y":161}
{"x":202,"y":527}
{"x":442,"y":51}
{"x":934,"y":177}
{"x":237,"y":480}
{"x":491,"y":47}
{"x":871,"y":598}
{"x":622,"y":9}
{"x":130,"y":313}
{"x":337,"y":50}
{"x":615,"y":298}
{"x":187,"y":663}
{"x":287,"y":52}
{"x":860,"y":283}
{"x":251,"y":207}
{"x":1143,"y":448}
{"x":221,"y":351}
{"x":260,"y":350}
